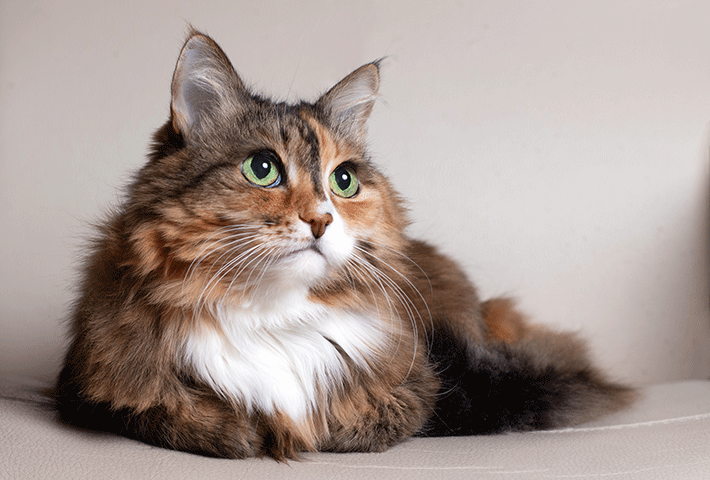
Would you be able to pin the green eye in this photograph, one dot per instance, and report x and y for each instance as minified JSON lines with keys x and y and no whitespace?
{"x":343,"y":182}
{"x":261,"y":169}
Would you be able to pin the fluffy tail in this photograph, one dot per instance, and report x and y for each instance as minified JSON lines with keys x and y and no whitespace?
{"x":542,"y":380}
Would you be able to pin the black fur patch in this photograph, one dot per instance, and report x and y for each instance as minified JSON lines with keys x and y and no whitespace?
{"x":494,"y":389}
{"x":315,"y":162}
{"x":166,"y":142}
{"x":153,"y":426}
{"x":75,"y":410}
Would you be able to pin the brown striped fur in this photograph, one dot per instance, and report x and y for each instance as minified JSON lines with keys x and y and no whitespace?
{"x":167,"y":263}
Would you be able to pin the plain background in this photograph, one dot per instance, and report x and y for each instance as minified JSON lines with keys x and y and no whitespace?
{"x":558,"y":149}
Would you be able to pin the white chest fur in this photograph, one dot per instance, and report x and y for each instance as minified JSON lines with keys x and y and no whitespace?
{"x":283,"y":358}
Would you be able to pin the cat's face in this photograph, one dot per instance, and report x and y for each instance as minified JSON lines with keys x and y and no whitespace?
{"x":249,"y":198}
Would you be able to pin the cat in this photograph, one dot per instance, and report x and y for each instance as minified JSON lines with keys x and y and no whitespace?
{"x":257,"y":294}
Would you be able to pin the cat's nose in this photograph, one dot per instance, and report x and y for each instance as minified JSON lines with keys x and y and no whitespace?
{"x":318,"y":222}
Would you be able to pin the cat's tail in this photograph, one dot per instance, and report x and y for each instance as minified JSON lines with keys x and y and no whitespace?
{"x":542,"y":380}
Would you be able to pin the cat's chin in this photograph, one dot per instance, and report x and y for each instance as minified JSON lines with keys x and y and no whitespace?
{"x":305,"y":267}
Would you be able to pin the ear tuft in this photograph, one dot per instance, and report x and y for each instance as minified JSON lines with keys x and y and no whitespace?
{"x":349,"y":103}
{"x":204,"y":84}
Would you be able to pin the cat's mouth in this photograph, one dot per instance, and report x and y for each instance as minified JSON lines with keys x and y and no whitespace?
{"x":313,"y":247}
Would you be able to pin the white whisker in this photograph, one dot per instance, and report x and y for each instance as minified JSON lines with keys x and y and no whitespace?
{"x":227,"y":268}
{"x":388,"y":288}
{"x":211,"y":246}
{"x":236,"y":238}
{"x":409,"y":283}
{"x":271,"y":258}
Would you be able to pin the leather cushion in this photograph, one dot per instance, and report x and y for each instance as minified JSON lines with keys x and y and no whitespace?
{"x":666,"y":435}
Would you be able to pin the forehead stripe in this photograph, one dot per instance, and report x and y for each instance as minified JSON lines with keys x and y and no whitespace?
{"x":314,"y":163}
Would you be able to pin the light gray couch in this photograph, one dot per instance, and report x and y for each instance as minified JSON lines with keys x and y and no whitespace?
{"x":666,"y":435}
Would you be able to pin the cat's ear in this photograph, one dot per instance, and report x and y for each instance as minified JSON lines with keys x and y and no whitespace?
{"x":349,"y":103}
{"x":204,"y":85}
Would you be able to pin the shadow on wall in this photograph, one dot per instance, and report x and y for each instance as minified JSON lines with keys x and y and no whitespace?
{"x":704,"y":267}
{"x":706,"y":260}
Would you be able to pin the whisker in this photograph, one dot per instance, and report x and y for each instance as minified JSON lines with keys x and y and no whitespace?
{"x":395,"y":286}
{"x":369,"y":276}
{"x":408,"y":305}
{"x":382,"y":280}
{"x":264,"y":255}
{"x":397,"y":252}
{"x":211,"y":243}
{"x":410,"y":284}
{"x":209,"y":246}
{"x":270,"y":260}
{"x":225,"y":269}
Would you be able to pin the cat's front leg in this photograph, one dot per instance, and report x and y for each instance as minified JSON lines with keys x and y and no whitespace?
{"x":203,"y":424}
{"x":372,"y":419}
{"x":186,"y":419}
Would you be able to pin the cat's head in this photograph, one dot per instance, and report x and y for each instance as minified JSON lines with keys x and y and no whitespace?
{"x":245,"y":195}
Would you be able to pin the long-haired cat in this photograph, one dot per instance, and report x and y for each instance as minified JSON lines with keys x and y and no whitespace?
{"x":256,"y":294}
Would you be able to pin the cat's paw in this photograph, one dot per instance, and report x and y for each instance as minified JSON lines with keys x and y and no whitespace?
{"x":376,"y":422}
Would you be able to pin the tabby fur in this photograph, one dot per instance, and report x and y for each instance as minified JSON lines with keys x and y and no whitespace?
{"x":226,"y":318}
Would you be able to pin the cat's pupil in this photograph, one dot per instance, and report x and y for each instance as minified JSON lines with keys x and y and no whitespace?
{"x":342,"y":178}
{"x":261,"y":168}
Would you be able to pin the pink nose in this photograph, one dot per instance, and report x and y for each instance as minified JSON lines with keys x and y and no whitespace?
{"x":318,"y":222}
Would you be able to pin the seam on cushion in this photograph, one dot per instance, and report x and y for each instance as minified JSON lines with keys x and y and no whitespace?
{"x":650,"y":423}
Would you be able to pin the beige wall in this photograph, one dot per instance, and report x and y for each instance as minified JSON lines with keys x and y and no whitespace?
{"x":558,"y":149}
